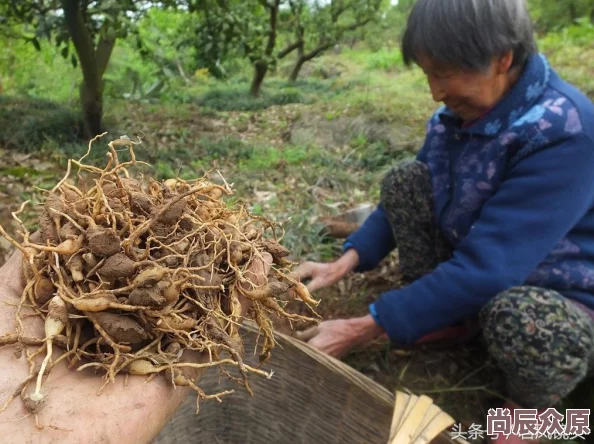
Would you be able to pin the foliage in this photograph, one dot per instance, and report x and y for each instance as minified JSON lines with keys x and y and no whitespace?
{"x":195,"y":118}
{"x":581,"y":34}
{"x":385,"y":60}
{"x":26,"y":124}
{"x":48,"y":20}
{"x":385,"y":31}
{"x":223,"y":30}
{"x":554,"y":15}
{"x":571,"y":51}
{"x":235,"y":96}
{"x":162,"y":40}
{"x":236,"y":28}
{"x":88,"y":27}
{"x":188,"y":36}
{"x":25,"y":71}
{"x":373,"y":155}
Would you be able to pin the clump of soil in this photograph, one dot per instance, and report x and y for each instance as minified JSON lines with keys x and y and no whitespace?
{"x":127,"y":276}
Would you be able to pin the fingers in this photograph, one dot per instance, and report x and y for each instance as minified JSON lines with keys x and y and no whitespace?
{"x":11,"y":273}
{"x":267,"y":258}
{"x":259,"y":269}
{"x":304,"y":270}
{"x":311,"y":270}
{"x":262,"y":265}
{"x":316,"y":284}
{"x":306,"y":335}
{"x":36,"y":237}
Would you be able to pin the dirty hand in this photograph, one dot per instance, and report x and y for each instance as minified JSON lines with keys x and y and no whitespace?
{"x":135,"y":413}
{"x":325,"y":275}
{"x":337,"y":337}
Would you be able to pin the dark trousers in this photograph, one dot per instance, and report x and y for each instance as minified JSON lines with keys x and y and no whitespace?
{"x":542,"y":341}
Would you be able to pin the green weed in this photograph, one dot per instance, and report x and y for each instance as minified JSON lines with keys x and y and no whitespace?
{"x":234,"y":95}
{"x":385,"y":60}
{"x":26,"y":124}
{"x":374,"y":155}
{"x":237,"y":98}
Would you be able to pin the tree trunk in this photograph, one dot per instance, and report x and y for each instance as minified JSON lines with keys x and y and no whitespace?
{"x":93,"y":63}
{"x":572,"y":12}
{"x":91,"y":100}
{"x":261,"y":66}
{"x":260,"y":70}
{"x":297,"y":69}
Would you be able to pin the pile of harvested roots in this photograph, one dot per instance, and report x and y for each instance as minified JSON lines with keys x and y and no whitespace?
{"x":128,"y":274}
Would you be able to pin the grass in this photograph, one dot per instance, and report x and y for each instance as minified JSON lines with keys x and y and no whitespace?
{"x":247,"y":141}
{"x":234,"y":95}
{"x":571,"y":53}
{"x":384,"y":59}
{"x":27,"y":124}
{"x":237,"y":98}
{"x":217,"y":124}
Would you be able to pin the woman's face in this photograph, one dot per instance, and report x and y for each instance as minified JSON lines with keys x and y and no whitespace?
{"x":468,"y":94}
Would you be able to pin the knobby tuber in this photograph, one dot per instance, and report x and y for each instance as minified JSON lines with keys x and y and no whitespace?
{"x":127,"y":276}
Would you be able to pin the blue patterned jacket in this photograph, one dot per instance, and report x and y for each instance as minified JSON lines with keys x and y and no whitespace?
{"x":513,"y":194}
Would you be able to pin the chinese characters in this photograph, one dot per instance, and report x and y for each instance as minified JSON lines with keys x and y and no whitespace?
{"x":530,"y":424}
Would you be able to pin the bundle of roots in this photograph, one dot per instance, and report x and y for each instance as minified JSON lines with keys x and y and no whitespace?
{"x":127,"y":274}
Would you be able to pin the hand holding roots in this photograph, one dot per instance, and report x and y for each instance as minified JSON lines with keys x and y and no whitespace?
{"x":128,"y":276}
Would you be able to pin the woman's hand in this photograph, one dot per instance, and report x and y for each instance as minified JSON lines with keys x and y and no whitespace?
{"x":325,"y":275}
{"x":321,"y":275}
{"x":135,"y":413}
{"x":338,"y":337}
{"x":256,"y":274}
{"x":131,"y":414}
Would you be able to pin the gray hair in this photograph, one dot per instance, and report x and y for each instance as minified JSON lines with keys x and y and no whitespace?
{"x":468,"y":33}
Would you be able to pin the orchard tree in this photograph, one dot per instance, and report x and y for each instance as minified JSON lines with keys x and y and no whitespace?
{"x":249,"y":28}
{"x":322,"y":25}
{"x":254,"y":28}
{"x":91,"y":28}
{"x":261,"y":42}
{"x":218,"y":31}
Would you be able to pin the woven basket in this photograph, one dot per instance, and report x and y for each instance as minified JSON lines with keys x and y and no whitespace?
{"x":311,"y":398}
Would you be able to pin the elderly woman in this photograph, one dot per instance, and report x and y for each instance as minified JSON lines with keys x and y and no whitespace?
{"x":494,"y":220}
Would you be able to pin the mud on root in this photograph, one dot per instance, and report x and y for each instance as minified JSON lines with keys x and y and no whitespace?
{"x":127,"y":274}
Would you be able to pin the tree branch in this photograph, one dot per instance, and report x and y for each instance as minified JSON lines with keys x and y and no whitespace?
{"x":82,"y":41}
{"x":329,"y":43}
{"x":273,"y":24}
{"x":354,"y":26}
{"x":317,"y":51}
{"x":103,"y":54}
{"x":289,"y":49}
{"x":339,"y":11}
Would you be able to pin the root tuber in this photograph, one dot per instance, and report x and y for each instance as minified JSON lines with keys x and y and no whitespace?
{"x":128,"y":275}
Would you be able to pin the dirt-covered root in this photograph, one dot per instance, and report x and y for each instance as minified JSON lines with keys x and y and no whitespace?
{"x":127,"y":275}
